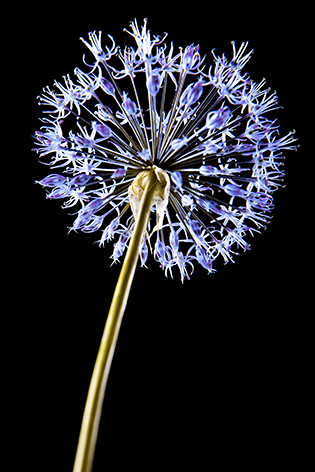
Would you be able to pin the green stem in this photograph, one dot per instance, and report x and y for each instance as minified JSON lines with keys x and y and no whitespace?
{"x":93,"y":408}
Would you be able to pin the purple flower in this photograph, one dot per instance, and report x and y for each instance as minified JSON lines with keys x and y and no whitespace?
{"x":216,"y":155}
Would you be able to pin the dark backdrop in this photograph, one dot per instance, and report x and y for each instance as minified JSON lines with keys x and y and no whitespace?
{"x":210,"y":370}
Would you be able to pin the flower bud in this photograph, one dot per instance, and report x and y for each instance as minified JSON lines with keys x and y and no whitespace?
{"x":203,"y":258}
{"x":215,"y":119}
{"x":107,"y":86}
{"x":118,"y":173}
{"x":174,"y":241}
{"x":59,"y":192}
{"x":195,"y":92}
{"x":190,"y":56}
{"x":82,"y":220}
{"x":144,"y":253}
{"x":129,"y":105}
{"x":154,"y":83}
{"x":195,"y":227}
{"x":80,"y":180}
{"x":214,"y":207}
{"x":177,"y":179}
{"x":208,"y":170}
{"x":103,"y":130}
{"x":184,"y":99}
{"x":94,"y":205}
{"x":51,"y":180}
{"x":83,"y":142}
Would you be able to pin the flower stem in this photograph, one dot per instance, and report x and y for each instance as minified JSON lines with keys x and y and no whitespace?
{"x":93,"y":407}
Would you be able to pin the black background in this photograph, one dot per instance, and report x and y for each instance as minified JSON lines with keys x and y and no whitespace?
{"x":211,"y":370}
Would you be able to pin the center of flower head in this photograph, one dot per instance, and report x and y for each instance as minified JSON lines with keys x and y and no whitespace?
{"x":160,"y":196}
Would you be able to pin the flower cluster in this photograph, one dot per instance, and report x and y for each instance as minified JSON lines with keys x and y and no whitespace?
{"x":211,"y":144}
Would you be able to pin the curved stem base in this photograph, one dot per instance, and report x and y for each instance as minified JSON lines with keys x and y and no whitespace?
{"x":93,"y":408}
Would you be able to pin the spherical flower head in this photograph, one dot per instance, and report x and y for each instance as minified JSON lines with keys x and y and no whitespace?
{"x":216,"y":156}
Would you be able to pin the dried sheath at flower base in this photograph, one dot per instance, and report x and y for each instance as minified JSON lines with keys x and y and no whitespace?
{"x":160,"y":198}
{"x":216,"y":155}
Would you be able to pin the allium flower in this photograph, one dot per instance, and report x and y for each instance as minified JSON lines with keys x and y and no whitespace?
{"x":216,"y":155}
{"x":182,"y":163}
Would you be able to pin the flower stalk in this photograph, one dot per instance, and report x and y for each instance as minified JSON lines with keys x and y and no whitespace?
{"x":93,"y":408}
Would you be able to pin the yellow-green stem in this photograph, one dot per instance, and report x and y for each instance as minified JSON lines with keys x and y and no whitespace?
{"x":93,"y":408}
